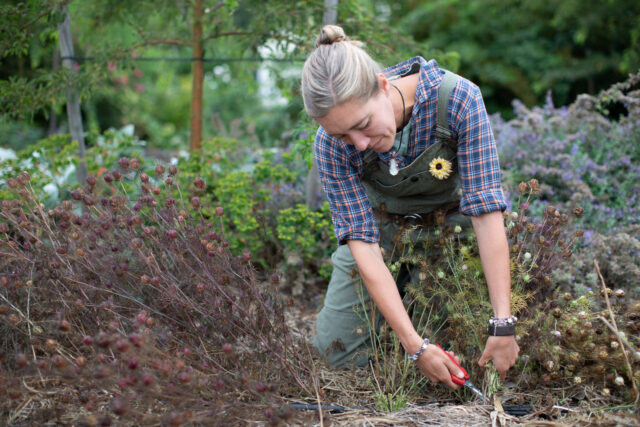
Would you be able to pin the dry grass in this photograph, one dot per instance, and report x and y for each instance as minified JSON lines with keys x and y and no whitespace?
{"x":351,"y":389}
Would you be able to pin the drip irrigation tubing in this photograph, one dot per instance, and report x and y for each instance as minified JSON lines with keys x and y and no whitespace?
{"x":514,"y":410}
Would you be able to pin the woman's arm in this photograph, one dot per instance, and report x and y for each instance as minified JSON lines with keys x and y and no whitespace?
{"x":494,"y":253}
{"x":434,"y":364}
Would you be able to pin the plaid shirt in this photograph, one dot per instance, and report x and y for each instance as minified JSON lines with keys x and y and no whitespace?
{"x":341,"y":165}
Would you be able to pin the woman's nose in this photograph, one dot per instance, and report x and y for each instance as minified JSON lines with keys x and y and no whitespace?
{"x":360,"y":140}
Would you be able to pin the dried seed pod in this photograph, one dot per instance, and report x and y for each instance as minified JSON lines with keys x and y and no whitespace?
{"x":119,"y":406}
{"x":58,"y":361}
{"x":523,"y":187}
{"x":578,"y":211}
{"x":199,"y":183}
{"x":81,"y":361}
{"x":184,"y":377}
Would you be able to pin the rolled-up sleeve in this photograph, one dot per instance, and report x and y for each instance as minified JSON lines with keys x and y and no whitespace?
{"x":478,"y":163}
{"x":351,"y":211}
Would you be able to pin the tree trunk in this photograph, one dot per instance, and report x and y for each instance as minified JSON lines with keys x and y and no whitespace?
{"x":73,"y":101}
{"x":198,"y":77}
{"x":53,"y":117}
{"x":313,"y":184}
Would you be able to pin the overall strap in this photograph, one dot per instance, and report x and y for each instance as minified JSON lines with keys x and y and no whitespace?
{"x":449,"y":81}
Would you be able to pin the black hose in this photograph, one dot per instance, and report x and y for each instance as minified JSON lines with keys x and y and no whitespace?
{"x":330,"y":408}
{"x":515,"y":410}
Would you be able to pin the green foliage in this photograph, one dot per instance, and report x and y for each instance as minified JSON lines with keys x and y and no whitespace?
{"x":262,"y":198}
{"x":390,"y":402}
{"x":307,"y":235}
{"x":51,"y":162}
{"x":516,"y":49}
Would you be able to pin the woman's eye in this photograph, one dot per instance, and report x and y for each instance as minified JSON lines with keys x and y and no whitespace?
{"x":366,"y":125}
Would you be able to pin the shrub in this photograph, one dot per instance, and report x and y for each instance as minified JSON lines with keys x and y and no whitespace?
{"x":263,"y":194}
{"x":582,"y":154}
{"x":138,"y":296}
{"x":448,"y":301}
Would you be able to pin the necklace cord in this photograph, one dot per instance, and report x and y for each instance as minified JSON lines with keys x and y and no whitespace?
{"x":401,"y":124}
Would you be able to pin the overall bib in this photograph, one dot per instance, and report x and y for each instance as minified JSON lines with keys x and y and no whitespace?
{"x":342,"y":333}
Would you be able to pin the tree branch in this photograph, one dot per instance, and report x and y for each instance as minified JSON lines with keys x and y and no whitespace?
{"x":226,"y":33}
{"x":162,"y":41}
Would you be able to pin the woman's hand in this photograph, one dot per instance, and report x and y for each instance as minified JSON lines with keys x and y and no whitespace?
{"x":437,"y":367}
{"x":503,"y":351}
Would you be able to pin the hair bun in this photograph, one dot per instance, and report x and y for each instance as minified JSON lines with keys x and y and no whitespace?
{"x":331,"y":34}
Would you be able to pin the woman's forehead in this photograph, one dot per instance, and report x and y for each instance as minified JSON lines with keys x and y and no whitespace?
{"x":346,"y":116}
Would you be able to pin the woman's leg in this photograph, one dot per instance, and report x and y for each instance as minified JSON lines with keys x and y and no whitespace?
{"x":342,"y":327}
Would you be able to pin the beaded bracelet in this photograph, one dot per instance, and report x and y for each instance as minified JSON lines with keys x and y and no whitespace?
{"x":423,"y":347}
{"x":511,"y":320}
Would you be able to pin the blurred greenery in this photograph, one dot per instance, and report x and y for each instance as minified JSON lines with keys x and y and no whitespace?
{"x":524,"y":48}
{"x":511,"y":48}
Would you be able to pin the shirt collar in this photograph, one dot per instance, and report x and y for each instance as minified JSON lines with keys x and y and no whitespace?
{"x":430,"y":74}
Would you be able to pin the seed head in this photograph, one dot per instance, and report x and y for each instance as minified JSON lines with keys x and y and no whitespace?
{"x":199,"y":183}
{"x":195,"y":202}
{"x":148,"y":379}
{"x":523,"y":187}
{"x":81,"y":361}
{"x":58,"y":361}
{"x":122,"y":345}
{"x":578,"y":211}
{"x":159,"y":170}
{"x":21,"y":361}
{"x":184,"y":377}
{"x":119,"y":406}
{"x":132,"y":364}
{"x":135,"y":339}
{"x":219,"y":211}
{"x":64,"y":325}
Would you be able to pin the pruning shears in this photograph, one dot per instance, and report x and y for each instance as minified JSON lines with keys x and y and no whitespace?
{"x":465,"y":380}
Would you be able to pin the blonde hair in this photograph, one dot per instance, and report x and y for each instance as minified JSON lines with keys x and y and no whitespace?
{"x":337,"y":71}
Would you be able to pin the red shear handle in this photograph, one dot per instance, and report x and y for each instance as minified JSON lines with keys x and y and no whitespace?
{"x":454,"y":378}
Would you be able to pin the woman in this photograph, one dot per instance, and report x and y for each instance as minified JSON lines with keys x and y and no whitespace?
{"x":380,"y":151}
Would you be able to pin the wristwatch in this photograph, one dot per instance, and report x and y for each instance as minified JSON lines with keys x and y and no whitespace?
{"x":502,"y":327}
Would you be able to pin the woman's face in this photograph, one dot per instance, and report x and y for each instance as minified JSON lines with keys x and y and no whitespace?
{"x":371,"y":124}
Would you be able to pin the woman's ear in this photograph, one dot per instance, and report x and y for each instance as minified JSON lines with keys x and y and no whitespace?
{"x":383,"y":83}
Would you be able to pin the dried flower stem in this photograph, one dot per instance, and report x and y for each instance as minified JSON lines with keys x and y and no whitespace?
{"x":634,"y":352}
{"x":614,"y":327}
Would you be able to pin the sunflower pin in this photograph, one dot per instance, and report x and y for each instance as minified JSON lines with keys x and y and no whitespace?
{"x":440,"y":168}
